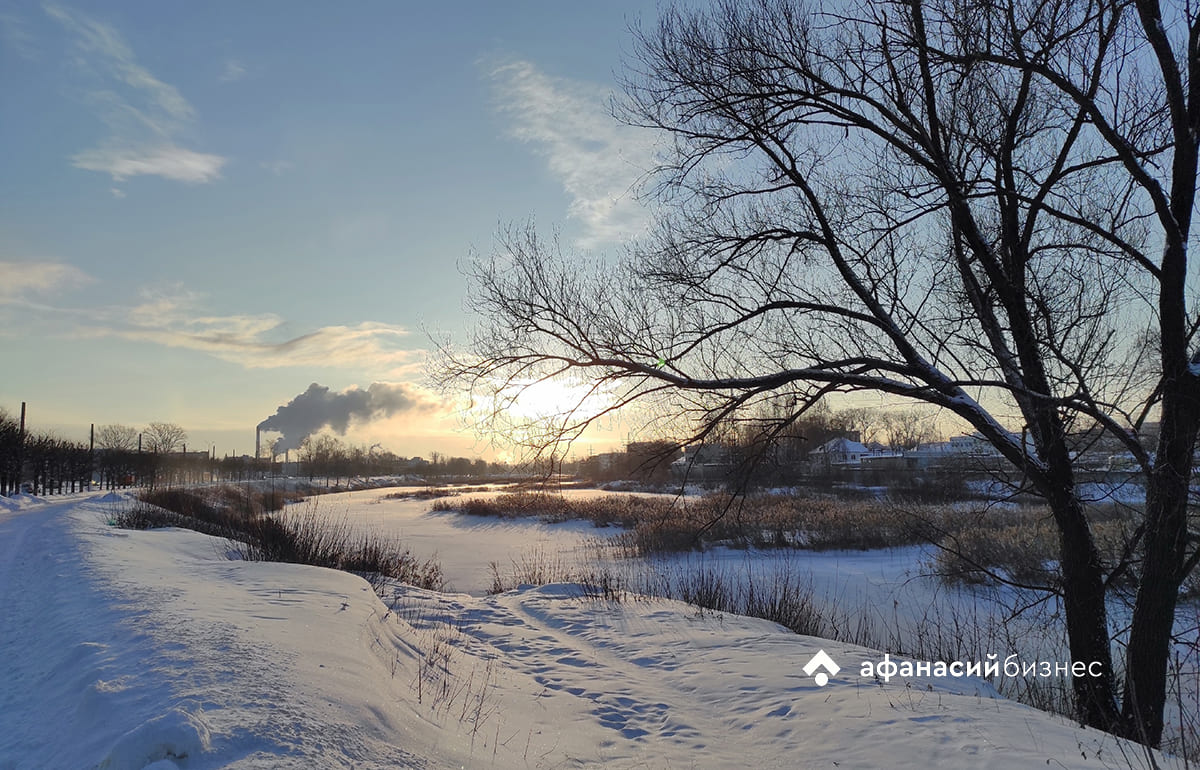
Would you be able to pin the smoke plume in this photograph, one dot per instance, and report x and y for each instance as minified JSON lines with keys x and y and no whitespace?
{"x":318,"y":408}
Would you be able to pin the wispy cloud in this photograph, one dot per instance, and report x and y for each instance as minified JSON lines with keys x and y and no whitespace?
{"x":177,"y":318}
{"x":14,"y":32}
{"x":277,"y":167}
{"x":598,"y":160}
{"x":31,"y":303}
{"x":144,"y":114}
{"x":234,"y":70}
{"x":21,"y":280}
{"x":167,"y":161}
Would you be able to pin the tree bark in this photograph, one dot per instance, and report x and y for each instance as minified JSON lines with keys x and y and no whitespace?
{"x":1162,"y":573}
{"x":1086,"y":615}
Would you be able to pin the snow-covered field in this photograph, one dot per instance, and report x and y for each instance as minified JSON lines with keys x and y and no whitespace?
{"x":123,"y":649}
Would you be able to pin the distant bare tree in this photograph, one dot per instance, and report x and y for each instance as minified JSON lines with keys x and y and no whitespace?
{"x":983,"y":206}
{"x":909,"y":428}
{"x":163,"y":437}
{"x":117,"y":437}
{"x":323,"y":455}
{"x":866,"y":422}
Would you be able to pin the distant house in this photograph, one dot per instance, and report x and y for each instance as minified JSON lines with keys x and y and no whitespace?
{"x":966,"y":451}
{"x":974,"y":444}
{"x":706,"y":454}
{"x":934,"y":453}
{"x":839,"y":452}
{"x":607,"y":461}
{"x":703,"y":462}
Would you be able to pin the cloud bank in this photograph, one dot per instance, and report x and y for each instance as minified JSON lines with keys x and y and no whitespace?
{"x":177,"y":318}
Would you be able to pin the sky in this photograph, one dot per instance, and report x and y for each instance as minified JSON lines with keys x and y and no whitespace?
{"x":207,"y":208}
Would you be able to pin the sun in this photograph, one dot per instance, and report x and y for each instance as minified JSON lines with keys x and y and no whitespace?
{"x":552,"y":399}
{"x":545,"y":413}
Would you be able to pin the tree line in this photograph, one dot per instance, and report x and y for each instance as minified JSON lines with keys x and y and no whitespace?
{"x":42,"y":463}
{"x":119,"y":456}
{"x":751,"y":461}
{"x":325,"y":456}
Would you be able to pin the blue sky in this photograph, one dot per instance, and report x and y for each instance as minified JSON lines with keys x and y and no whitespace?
{"x":205,"y":207}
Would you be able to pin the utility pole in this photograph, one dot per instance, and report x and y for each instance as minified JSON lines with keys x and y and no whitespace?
{"x":21,"y":451}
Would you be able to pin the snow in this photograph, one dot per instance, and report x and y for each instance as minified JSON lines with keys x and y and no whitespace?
{"x":124,"y":649}
{"x":177,"y":734}
{"x":463,"y":545}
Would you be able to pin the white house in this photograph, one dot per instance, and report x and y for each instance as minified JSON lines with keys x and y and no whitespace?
{"x":839,"y":452}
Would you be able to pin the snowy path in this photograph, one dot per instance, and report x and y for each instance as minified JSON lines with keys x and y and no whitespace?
{"x":120,"y":649}
{"x":55,"y":652}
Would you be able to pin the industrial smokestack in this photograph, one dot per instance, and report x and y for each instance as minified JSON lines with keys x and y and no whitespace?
{"x":319,"y":407}
{"x":257,"y":440}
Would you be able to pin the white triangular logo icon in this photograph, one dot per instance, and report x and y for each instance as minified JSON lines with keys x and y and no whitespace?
{"x":821,"y":661}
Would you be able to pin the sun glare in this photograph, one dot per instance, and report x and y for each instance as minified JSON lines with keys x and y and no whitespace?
{"x":549,"y":399}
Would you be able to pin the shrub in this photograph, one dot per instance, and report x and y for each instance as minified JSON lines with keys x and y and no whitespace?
{"x":307,"y":536}
{"x":310,"y":537}
{"x":145,"y":516}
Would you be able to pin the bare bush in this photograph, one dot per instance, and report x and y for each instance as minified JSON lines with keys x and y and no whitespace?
{"x":305,"y":536}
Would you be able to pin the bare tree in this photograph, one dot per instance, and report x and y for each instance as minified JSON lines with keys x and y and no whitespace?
{"x":909,"y":428}
{"x":117,"y":437}
{"x":164,"y":437}
{"x":323,"y":455}
{"x":862,"y":422}
{"x":116,"y":461}
{"x":982,"y":206}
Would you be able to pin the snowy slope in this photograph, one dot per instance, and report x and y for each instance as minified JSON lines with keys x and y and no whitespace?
{"x":152,"y":649}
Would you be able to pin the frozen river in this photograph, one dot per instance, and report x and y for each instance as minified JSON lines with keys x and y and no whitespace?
{"x":884,"y":598}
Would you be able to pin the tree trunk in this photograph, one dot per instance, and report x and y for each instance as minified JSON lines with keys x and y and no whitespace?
{"x":1086,"y":615}
{"x":1083,"y":588}
{"x":1162,"y":569}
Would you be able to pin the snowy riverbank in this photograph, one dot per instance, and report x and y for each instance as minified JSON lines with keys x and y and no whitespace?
{"x":126,"y":649}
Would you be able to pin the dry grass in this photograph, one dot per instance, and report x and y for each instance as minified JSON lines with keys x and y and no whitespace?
{"x":309,"y":536}
{"x":980,"y":546}
{"x":434,"y":492}
{"x":539,"y":568}
{"x":259,"y":531}
{"x":1022,"y":545}
{"x":670,"y":525}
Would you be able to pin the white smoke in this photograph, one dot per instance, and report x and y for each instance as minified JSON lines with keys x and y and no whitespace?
{"x":318,"y":408}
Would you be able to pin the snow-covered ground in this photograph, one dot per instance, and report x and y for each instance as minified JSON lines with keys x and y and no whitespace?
{"x":464,"y":545}
{"x":123,"y":649}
